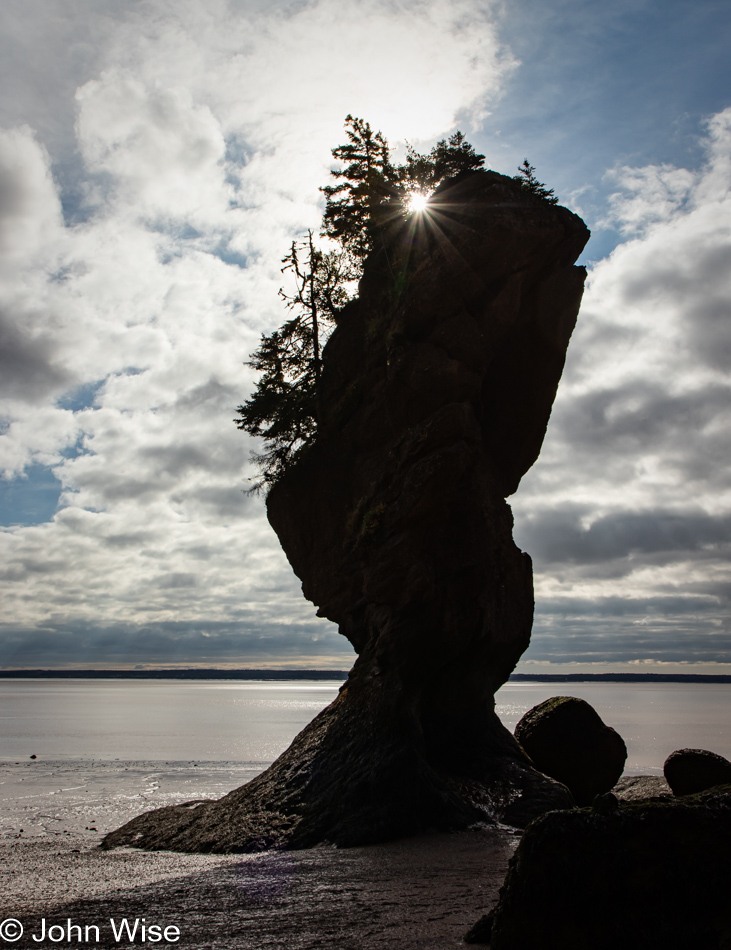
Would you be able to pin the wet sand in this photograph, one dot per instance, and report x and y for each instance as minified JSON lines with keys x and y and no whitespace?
{"x":417,"y":894}
{"x":54,"y":798}
{"x":420,"y":893}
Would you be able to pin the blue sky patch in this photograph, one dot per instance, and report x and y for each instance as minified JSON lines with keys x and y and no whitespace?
{"x":31,"y":499}
{"x":82,"y":397}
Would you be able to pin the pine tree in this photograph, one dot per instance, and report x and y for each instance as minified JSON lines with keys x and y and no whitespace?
{"x":284,"y":409}
{"x":281,"y":408}
{"x":529,"y":182}
{"x":446,"y":159}
{"x":352,"y":208}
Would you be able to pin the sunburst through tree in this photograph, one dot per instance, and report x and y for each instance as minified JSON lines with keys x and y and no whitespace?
{"x":371,"y":195}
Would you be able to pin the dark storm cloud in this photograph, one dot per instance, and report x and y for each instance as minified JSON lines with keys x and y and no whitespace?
{"x":699,"y":283}
{"x":116,"y":487}
{"x":631,"y":609}
{"x":130,"y":539}
{"x":711,"y":339}
{"x":47,"y":50}
{"x":212,"y":394}
{"x":709,"y":268}
{"x":671,"y":629}
{"x":177,"y":579}
{"x":225,"y":504}
{"x":243,"y":642}
{"x":27,"y":369}
{"x":557,"y":536}
{"x":174,"y":459}
{"x":642,"y":415}
{"x":181,"y":458}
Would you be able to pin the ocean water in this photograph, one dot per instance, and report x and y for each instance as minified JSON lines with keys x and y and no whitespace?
{"x":107,"y":750}
{"x":250,"y":723}
{"x":156,"y":720}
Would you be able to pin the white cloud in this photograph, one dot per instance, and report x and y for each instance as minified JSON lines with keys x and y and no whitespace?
{"x":650,"y":194}
{"x":201,"y":135}
{"x":163,"y":152}
{"x":29,"y":205}
{"x":631,"y":498}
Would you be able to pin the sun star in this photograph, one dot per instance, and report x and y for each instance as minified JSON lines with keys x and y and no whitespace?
{"x":417,"y":203}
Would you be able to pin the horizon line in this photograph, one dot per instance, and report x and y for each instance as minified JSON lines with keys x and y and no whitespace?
{"x":288,"y":673}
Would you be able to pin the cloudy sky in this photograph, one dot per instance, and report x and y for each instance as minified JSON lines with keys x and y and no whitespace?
{"x":157,"y":158}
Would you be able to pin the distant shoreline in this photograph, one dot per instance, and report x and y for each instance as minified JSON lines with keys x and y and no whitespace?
{"x":340,"y":675}
{"x":194,"y":674}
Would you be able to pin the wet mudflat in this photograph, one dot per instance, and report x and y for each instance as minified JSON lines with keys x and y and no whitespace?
{"x":417,"y":893}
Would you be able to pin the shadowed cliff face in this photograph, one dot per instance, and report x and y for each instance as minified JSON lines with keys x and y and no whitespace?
{"x":437,"y":387}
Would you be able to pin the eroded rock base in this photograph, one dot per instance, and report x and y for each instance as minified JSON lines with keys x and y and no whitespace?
{"x":352,"y":778}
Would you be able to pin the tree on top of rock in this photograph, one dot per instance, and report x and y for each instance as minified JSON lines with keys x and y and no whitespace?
{"x":529,"y":182}
{"x":284,"y":409}
{"x":423,"y":173}
{"x":371,"y":194}
{"x":368,"y":181}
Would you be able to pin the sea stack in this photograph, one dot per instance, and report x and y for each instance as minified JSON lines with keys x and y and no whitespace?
{"x":437,"y":386}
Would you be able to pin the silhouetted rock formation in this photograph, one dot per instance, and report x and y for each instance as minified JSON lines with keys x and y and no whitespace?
{"x":437,"y":386}
{"x":566,"y":739}
{"x":650,"y":874}
{"x":694,"y":770}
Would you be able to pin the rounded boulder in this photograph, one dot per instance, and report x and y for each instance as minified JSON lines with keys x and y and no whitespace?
{"x":694,"y":770}
{"x":567,"y":740}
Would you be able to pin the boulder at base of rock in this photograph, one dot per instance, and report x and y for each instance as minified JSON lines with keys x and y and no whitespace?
{"x":694,"y":770}
{"x":566,"y":739}
{"x":650,"y":875}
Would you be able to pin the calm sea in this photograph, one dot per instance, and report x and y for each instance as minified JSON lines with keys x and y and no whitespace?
{"x":253,"y":722}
